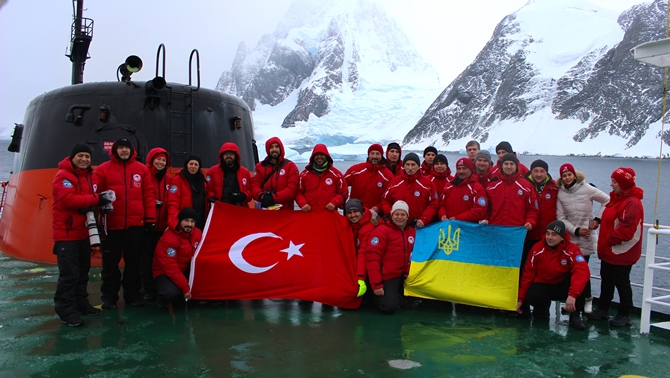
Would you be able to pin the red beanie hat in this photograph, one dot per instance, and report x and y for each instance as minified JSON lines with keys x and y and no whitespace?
{"x":163,"y":154}
{"x":625,"y":177}
{"x":376,"y":147}
{"x":567,"y":167}
{"x":467,"y":163}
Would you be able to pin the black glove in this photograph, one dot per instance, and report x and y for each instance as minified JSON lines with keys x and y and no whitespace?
{"x":149,"y":227}
{"x":267,"y":200}
{"x":102,"y":201}
{"x":238,"y":197}
{"x":213,"y":199}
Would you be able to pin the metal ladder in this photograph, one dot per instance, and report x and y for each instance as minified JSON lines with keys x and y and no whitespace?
{"x":649,"y":267}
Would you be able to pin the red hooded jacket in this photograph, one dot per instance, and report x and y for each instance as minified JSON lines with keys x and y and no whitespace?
{"x":368,"y":183}
{"x":464,"y":201}
{"x":284,"y":181}
{"x":417,"y":191}
{"x":388,"y":253}
{"x":320,"y":189}
{"x":160,"y":187}
{"x":621,"y":228}
{"x":361,"y":231}
{"x":546,"y":203}
{"x":72,"y":191}
{"x":173,"y":255}
{"x":132,"y":183}
{"x":550,"y":265}
{"x":214,"y":175}
{"x":512,"y":202}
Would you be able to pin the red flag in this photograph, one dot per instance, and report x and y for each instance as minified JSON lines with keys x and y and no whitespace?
{"x":256,"y":254}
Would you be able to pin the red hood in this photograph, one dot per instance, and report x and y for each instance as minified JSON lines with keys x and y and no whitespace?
{"x":281,"y":147}
{"x":153,"y":153}
{"x":229,"y":146}
{"x":322,"y":149}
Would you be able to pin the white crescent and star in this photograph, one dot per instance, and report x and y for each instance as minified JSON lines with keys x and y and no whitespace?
{"x":238,"y":247}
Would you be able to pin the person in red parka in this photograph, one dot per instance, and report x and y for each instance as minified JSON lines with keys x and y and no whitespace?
{"x":368,"y":180}
{"x":158,"y":162}
{"x":546,"y":193}
{"x":134,"y":214}
{"x":441,"y":174}
{"x":463,"y":198}
{"x":415,"y":189}
{"x":172,"y":258}
{"x":483,"y":168}
{"x":321,"y":184}
{"x":393,"y":159}
{"x":555,"y":270}
{"x":229,"y":181}
{"x":429,"y":154}
{"x":362,"y":224}
{"x":73,"y":197}
{"x":619,"y":245}
{"x":276,"y":179}
{"x":388,"y":256}
{"x":502,"y":149}
{"x":512,"y":201}
{"x":188,"y":189}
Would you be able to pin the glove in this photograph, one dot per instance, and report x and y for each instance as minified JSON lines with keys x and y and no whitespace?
{"x":213,"y":199}
{"x":149,"y":227}
{"x":267,"y":200}
{"x":103,"y":200}
{"x":238,"y":197}
{"x":362,"y":288}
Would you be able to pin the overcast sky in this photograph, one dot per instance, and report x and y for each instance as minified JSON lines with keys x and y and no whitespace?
{"x":35,"y":34}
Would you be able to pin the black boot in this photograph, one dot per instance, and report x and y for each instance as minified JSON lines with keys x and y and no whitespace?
{"x":576,"y":321}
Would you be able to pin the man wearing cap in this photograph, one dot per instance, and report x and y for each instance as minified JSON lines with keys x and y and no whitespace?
{"x":362,"y":224}
{"x":429,"y":155}
{"x":321,"y":184}
{"x":229,"y":181}
{"x":502,"y":149}
{"x":368,"y":180}
{"x":172,"y":258}
{"x":276,"y":179}
{"x":134,"y":214}
{"x":471,"y":148}
{"x":512,"y":201}
{"x":555,"y":270}
{"x":388,"y":257}
{"x":483,"y":168}
{"x":393,"y":161}
{"x":464,"y":198}
{"x":546,"y":193}
{"x":413,"y":188}
{"x":73,"y":197}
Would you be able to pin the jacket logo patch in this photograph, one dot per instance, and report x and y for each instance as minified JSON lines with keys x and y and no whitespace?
{"x":466,"y":198}
{"x":173,"y":189}
{"x":207,"y":178}
{"x":137,"y":177}
{"x":374,"y":241}
{"x":67,"y":183}
{"x":244,"y":181}
{"x":417,"y":193}
{"x":547,"y":196}
{"x":519,"y":192}
{"x":410,"y":239}
{"x":282,"y":172}
{"x":379,"y":184}
{"x":329,"y":181}
{"x":481,"y":201}
{"x":580,"y":258}
{"x":95,"y":188}
{"x":171,"y":252}
{"x":564,"y":262}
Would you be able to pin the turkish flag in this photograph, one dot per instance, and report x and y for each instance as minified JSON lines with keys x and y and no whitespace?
{"x":256,"y":254}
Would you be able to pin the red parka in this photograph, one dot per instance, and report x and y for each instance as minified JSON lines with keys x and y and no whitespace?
{"x":546,"y":204}
{"x":161,"y":187}
{"x":72,"y":191}
{"x":179,"y":197}
{"x":464,"y":200}
{"x":388,"y":253}
{"x":368,"y":183}
{"x":417,"y":191}
{"x":214,"y":175}
{"x":621,"y":228}
{"x":550,"y":265}
{"x":485,"y":178}
{"x":132,"y":183}
{"x":361,"y":231}
{"x":173,"y":255}
{"x":426,"y":169}
{"x":284,"y":179}
{"x":319,"y":189}
{"x":512,"y":202}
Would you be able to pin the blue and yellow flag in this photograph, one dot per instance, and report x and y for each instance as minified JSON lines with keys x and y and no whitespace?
{"x":467,"y":263}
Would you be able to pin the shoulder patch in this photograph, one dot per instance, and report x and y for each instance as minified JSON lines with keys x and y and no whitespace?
{"x":171,"y":252}
{"x":173,"y":189}
{"x":580,"y":258}
{"x":67,"y":184}
{"x":207,"y":178}
{"x":481,"y":201}
{"x":374,"y":241}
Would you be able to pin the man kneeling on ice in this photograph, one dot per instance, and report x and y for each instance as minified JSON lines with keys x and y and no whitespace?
{"x":172,"y":258}
{"x":555,"y":269}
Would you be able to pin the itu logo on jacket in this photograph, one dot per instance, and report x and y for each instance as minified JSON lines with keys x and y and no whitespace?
{"x":67,"y":184}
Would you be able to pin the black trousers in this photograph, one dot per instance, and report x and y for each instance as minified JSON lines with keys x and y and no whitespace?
{"x":615,"y":276}
{"x":74,"y":262}
{"x":390,"y":301}
{"x":127,"y":244}
{"x":540,"y":295}
{"x":167,"y":290}
{"x":146,"y":262}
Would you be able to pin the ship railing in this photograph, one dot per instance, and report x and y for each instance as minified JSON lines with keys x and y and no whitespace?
{"x":652,"y":264}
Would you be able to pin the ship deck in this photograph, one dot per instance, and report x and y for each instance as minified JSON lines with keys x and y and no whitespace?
{"x":291,"y":338}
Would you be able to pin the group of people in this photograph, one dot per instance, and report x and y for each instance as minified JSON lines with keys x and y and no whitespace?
{"x":390,"y":197}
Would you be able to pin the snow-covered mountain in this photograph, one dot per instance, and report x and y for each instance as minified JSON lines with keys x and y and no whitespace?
{"x":556,"y":77}
{"x":335,"y":72}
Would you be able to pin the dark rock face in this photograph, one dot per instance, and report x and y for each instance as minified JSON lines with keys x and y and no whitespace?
{"x":607,"y":90}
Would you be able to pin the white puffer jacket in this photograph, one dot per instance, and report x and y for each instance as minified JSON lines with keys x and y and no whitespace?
{"x":574,"y":207}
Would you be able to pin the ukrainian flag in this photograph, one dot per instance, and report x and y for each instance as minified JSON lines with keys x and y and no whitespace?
{"x":467,"y":263}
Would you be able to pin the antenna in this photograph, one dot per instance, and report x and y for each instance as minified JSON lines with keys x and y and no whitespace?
{"x":80,"y":39}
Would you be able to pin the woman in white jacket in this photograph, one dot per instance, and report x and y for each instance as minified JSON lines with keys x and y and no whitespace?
{"x":574,"y":207}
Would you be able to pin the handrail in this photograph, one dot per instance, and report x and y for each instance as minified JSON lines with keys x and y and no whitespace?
{"x":647,"y":289}
{"x":190,"y":65}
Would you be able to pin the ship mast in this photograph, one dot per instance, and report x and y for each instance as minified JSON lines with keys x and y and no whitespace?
{"x":80,"y":39}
